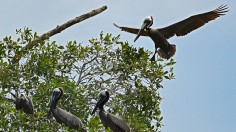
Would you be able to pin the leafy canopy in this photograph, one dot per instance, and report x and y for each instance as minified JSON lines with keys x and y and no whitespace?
{"x":82,"y":70}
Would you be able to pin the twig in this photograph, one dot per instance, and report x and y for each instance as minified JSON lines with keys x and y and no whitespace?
{"x":10,"y":100}
{"x":56,"y":30}
{"x":83,"y":66}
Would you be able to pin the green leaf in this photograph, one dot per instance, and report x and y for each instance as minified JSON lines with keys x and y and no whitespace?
{"x":83,"y":71}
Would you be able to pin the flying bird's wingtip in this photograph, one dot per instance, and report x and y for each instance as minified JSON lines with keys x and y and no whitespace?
{"x":222,"y":9}
{"x":116,"y":26}
{"x":223,"y":6}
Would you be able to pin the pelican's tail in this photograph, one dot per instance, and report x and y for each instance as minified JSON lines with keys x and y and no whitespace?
{"x":167,"y":55}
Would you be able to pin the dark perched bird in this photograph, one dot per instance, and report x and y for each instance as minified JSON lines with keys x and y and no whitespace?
{"x":160,"y":36}
{"x":23,"y":103}
{"x":115,"y":123}
{"x":63,"y":116}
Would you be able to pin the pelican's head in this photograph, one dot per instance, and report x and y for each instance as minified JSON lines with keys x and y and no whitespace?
{"x":147,"y":23}
{"x":57,"y":93}
{"x":104,"y":97}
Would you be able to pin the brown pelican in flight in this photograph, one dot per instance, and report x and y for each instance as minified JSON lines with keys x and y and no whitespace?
{"x":159,"y":36}
{"x":63,"y":116}
{"x":115,"y":123}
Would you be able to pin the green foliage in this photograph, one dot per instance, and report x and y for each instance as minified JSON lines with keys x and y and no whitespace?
{"x":82,"y":71}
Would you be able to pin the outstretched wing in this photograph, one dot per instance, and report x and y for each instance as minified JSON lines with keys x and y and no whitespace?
{"x":131,"y":30}
{"x":186,"y":26}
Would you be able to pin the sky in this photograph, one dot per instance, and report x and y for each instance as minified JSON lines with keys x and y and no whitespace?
{"x":202,"y":97}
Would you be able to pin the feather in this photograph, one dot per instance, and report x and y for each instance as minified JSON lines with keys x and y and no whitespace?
{"x":192,"y":23}
{"x":131,"y":30}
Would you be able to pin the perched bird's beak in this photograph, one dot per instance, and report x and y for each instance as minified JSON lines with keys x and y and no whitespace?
{"x":97,"y":105}
{"x":53,"y":103}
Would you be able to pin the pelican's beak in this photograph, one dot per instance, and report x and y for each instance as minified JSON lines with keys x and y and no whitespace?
{"x":53,"y":103}
{"x":97,"y":105}
{"x":144,"y":26}
{"x":13,"y":95}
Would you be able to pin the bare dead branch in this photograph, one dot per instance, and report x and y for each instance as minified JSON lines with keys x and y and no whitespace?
{"x":56,"y":30}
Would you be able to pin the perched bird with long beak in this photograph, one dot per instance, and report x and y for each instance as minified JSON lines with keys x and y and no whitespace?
{"x":63,"y":116}
{"x":115,"y":123}
{"x":159,"y":36}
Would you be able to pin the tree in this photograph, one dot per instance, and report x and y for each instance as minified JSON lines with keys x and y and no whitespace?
{"x":82,"y":70}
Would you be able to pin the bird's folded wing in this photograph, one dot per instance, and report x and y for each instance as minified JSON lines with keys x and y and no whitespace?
{"x":30,"y":103}
{"x":186,"y":26}
{"x":119,"y":122}
{"x":69,"y":119}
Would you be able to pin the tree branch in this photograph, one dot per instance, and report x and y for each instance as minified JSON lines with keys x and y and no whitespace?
{"x":83,"y":66}
{"x":56,"y":30}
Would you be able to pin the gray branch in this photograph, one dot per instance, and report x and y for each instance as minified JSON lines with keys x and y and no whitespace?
{"x":56,"y":30}
{"x":84,"y":65}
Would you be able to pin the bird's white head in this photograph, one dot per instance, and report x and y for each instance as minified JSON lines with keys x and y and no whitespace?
{"x":148,"y":21}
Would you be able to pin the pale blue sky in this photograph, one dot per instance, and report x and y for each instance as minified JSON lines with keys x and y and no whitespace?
{"x":202,"y":97}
